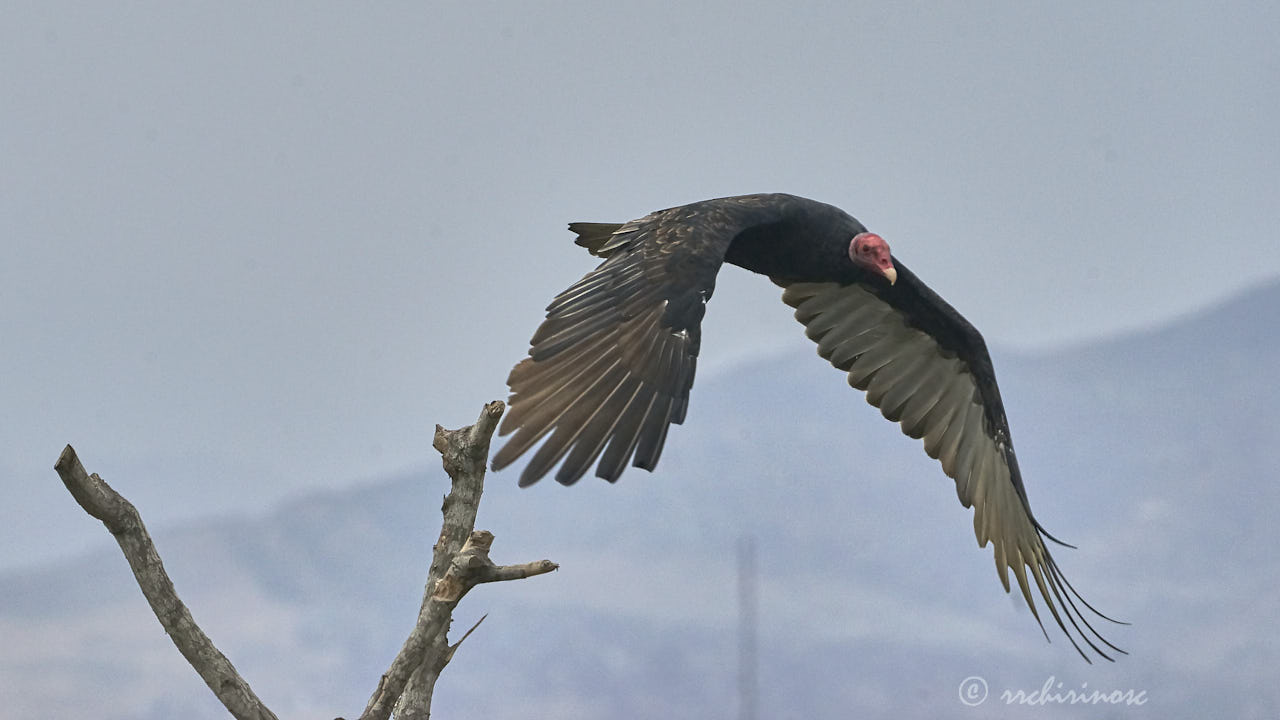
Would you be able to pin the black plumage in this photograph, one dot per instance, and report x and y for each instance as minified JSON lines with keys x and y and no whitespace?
{"x":611,"y":367}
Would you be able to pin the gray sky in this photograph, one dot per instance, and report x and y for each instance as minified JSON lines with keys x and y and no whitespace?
{"x":249,"y":251}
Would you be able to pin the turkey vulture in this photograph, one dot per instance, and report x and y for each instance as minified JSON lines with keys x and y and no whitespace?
{"x":611,"y":367}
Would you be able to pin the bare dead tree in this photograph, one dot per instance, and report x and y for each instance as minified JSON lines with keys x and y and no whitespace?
{"x":460,"y":561}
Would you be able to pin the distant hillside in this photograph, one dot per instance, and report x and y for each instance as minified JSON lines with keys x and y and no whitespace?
{"x":1154,"y":453}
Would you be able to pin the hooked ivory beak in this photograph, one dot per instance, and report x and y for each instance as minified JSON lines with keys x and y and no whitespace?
{"x":870,"y":251}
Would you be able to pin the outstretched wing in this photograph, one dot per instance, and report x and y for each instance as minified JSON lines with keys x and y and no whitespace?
{"x":610,"y":368}
{"x":927,"y":368}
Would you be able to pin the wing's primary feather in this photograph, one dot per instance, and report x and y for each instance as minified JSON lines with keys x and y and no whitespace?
{"x":937,"y":394}
{"x":610,"y":368}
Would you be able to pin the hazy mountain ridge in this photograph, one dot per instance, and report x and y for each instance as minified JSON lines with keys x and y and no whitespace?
{"x":874,"y":595}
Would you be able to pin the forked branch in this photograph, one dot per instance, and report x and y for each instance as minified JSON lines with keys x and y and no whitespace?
{"x":460,"y":561}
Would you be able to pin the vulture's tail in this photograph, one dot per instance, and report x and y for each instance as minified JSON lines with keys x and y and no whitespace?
{"x":593,"y":235}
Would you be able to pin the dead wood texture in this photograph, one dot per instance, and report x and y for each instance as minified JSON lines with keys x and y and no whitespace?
{"x":460,"y":561}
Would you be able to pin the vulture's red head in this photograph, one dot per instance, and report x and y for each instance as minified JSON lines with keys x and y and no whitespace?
{"x":871,"y":252}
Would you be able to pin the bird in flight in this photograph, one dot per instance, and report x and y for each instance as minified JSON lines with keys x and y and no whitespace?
{"x":610,"y":368}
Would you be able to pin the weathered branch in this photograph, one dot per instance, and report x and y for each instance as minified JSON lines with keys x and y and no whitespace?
{"x":122,"y":519}
{"x":460,"y":561}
